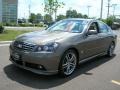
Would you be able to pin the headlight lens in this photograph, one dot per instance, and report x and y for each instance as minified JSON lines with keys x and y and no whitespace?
{"x":50,"y":47}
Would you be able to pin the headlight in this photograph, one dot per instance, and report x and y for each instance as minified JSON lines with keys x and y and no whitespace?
{"x":50,"y":47}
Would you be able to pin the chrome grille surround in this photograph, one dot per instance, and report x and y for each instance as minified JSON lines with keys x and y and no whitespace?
{"x":24,"y":46}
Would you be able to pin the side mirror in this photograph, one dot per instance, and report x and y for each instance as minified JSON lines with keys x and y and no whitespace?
{"x":49,"y":25}
{"x":92,"y":32}
{"x":46,"y":28}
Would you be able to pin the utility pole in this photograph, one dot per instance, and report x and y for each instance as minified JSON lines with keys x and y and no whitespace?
{"x":88,"y":9}
{"x":108,"y":8}
{"x":101,"y":12}
{"x":29,"y":9}
{"x":43,"y":4}
{"x":114,"y":8}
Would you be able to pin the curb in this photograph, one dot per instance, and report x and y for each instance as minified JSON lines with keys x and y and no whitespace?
{"x":5,"y":42}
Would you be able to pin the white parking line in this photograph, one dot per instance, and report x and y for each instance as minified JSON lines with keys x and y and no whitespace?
{"x":3,"y":45}
{"x":115,"y":82}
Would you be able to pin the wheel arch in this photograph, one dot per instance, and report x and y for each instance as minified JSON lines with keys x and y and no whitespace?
{"x":70,"y":48}
{"x":113,"y":42}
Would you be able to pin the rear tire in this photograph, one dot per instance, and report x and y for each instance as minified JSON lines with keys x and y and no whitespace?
{"x":110,"y":51}
{"x":68,"y":63}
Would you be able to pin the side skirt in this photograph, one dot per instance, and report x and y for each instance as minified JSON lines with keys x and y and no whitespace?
{"x":87,"y":59}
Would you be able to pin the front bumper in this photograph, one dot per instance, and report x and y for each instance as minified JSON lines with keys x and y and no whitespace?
{"x":48,"y":62}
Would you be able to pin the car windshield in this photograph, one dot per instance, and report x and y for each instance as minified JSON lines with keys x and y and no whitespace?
{"x":75,"y":26}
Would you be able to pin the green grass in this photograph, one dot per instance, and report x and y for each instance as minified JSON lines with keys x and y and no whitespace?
{"x":9,"y":35}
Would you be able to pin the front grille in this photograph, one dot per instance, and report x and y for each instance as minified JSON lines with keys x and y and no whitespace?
{"x":24,"y":46}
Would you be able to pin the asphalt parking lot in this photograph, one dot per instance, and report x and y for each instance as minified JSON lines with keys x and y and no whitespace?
{"x":101,"y":73}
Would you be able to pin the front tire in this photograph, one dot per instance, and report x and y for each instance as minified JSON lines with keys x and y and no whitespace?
{"x":68,"y":63}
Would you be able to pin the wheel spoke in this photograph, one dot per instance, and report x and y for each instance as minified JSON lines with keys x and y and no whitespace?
{"x":72,"y":65}
{"x":72,"y":58}
{"x":65,"y":65}
{"x":68,"y":69}
{"x":67,"y":57}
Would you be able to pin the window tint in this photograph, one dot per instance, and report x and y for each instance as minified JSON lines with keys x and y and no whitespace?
{"x":103,"y":28}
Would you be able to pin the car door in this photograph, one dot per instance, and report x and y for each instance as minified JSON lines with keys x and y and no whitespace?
{"x":105,"y":36}
{"x":90,"y":45}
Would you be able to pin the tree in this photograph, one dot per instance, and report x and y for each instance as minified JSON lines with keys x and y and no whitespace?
{"x":49,"y":6}
{"x":74,"y":14}
{"x":32,"y":18}
{"x":1,"y":28}
{"x":109,"y":20}
{"x":39,"y":18}
{"x":71,"y":14}
{"x":35,"y":18}
{"x":47,"y":19}
{"x":60,"y":17}
{"x":79,"y":15}
{"x":85,"y":16}
{"x":52,"y":6}
{"x":57,"y":5}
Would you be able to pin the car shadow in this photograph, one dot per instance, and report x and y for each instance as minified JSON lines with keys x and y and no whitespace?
{"x":36,"y":81}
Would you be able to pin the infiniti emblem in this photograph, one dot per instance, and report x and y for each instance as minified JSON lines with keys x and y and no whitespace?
{"x":19,"y":45}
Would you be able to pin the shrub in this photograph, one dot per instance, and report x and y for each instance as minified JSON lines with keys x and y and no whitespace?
{"x":109,"y":21}
{"x":39,"y":24}
{"x":112,"y":22}
{"x":9,"y":24}
{"x":25,"y":24}
{"x":1,"y":28}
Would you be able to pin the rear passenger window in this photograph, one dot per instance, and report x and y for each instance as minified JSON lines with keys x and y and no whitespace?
{"x":103,"y":28}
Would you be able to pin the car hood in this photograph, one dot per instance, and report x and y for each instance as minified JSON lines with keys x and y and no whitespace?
{"x":41,"y":37}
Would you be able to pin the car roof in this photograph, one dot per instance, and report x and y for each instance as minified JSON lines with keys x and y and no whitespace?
{"x":81,"y":19}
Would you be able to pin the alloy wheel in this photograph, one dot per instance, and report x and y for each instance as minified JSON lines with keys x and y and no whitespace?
{"x":69,"y":63}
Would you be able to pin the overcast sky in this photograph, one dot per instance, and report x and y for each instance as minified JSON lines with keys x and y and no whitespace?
{"x":79,"y":5}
